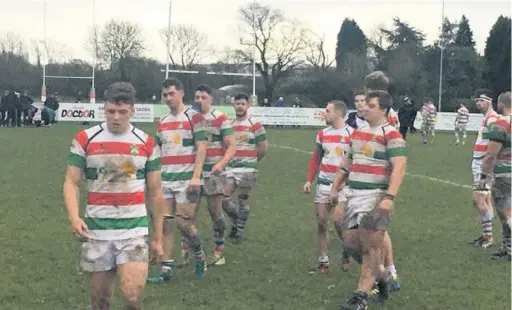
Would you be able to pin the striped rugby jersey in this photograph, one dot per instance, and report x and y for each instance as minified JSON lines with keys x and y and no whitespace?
{"x":428,"y":113}
{"x":248,"y":134}
{"x":332,"y":144}
{"x":217,"y":127}
{"x":462,"y":116}
{"x":500,"y":132}
{"x":115,"y":167}
{"x":483,"y":134}
{"x":370,"y":151}
{"x":177,"y":136}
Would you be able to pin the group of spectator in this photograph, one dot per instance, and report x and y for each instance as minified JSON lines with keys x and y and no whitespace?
{"x":18,"y":110}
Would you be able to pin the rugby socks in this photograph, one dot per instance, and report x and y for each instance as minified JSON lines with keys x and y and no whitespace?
{"x":243,"y":216}
{"x":507,"y":227}
{"x":487,"y":224}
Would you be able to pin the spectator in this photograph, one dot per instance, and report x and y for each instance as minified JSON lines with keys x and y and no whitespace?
{"x":406,"y":115}
{"x":3,"y":109}
{"x":25,"y":103}
{"x":12,"y":103}
{"x":51,"y":105}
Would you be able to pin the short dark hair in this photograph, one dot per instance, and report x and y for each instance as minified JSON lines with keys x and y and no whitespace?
{"x":376,"y":80}
{"x":483,"y":92}
{"x":178,"y":84}
{"x":427,"y":99}
{"x":505,"y":99}
{"x":205,"y":88}
{"x":340,"y":106}
{"x":359,"y":92}
{"x":121,"y":92}
{"x":385,"y":100}
{"x":241,"y":97}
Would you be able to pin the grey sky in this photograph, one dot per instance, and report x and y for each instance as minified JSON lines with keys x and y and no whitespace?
{"x":68,"y":21}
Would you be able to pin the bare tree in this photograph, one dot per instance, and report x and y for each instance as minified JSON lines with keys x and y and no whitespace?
{"x":279,"y":42}
{"x":93,"y":45}
{"x":50,"y":52}
{"x":315,"y":53}
{"x":189,"y":46}
{"x":11,"y":43}
{"x":120,"y":42}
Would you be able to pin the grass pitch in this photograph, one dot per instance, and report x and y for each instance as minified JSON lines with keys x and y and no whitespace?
{"x":433,"y":223}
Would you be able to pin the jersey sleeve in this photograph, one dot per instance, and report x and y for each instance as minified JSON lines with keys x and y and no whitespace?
{"x":225,"y":127}
{"x":259,"y":133}
{"x":318,"y":142}
{"x":498,"y":131}
{"x":198,"y":127}
{"x":395,"y":144}
{"x":76,"y":155}
{"x":153,"y":163}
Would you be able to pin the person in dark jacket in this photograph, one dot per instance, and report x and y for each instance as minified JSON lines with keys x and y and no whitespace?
{"x":3,"y":109}
{"x":12,"y":103}
{"x":406,"y":116}
{"x":25,"y":103}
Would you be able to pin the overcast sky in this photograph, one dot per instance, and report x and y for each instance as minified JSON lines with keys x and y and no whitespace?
{"x":68,"y":21}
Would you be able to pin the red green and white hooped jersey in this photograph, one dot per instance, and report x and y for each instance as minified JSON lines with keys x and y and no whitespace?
{"x":115,"y":168}
{"x":500,"y":132}
{"x":428,"y":113}
{"x":462,"y":116}
{"x":177,"y":136}
{"x":371,"y":149}
{"x":217,"y":127}
{"x":483,"y":134}
{"x":332,"y":144}
{"x":248,"y":134}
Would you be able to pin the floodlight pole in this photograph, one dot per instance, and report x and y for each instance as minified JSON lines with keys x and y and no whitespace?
{"x":440,"y":90}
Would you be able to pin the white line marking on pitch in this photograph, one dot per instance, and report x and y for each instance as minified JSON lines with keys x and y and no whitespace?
{"x":419,"y":176}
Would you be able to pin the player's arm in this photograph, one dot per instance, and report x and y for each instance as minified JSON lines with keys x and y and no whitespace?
{"x":261,"y":141}
{"x":396,"y":150}
{"x":199,"y":132}
{"x":315,"y":159}
{"x":76,"y":164}
{"x":154,"y":186}
{"x":226,"y":132}
{"x":72,"y":192}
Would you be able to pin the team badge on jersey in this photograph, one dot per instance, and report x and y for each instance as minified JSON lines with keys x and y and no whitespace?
{"x":180,"y":126}
{"x":367,"y":150}
{"x":176,"y":138}
{"x":134,"y":150}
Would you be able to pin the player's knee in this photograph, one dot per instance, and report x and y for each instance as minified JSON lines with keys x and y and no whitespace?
{"x":243,"y":196}
{"x":321,"y":223}
{"x":355,"y":253}
{"x":132,"y":302}
{"x":194,"y":241}
{"x":506,"y":225}
{"x":218,"y":223}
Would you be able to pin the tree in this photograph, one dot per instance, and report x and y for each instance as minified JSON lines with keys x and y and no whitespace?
{"x":448,"y":33}
{"x":120,"y":42}
{"x":279,"y":43}
{"x":188,"y":46}
{"x":351,"y":44}
{"x":464,"y":35}
{"x":497,"y":55}
{"x":315,"y":54}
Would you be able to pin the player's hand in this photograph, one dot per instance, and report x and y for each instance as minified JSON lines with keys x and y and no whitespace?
{"x":333,"y":197}
{"x":194,"y":185}
{"x":79,"y":229}
{"x":217,"y":169}
{"x":307,"y":187}
{"x":386,"y":205}
{"x":157,"y":251}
